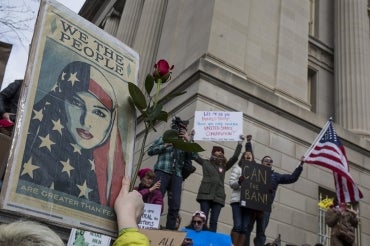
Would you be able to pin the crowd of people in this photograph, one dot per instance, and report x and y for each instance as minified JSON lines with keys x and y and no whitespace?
{"x":166,"y":178}
{"x":211,"y":193}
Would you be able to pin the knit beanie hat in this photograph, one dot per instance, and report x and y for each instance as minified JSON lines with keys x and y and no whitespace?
{"x":143,"y":171}
{"x":217,"y":148}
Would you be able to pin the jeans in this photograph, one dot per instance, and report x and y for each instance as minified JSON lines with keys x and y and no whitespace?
{"x":206,"y":206}
{"x":172,"y":184}
{"x":241,"y":218}
{"x":261,"y":220}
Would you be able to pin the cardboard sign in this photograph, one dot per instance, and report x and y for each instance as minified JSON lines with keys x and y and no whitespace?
{"x":255,"y":189}
{"x":218,"y":125}
{"x":87,"y":238}
{"x":164,"y":237}
{"x":151,"y":216}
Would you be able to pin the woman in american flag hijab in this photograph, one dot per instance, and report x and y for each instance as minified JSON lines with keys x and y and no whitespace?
{"x":73,"y":145}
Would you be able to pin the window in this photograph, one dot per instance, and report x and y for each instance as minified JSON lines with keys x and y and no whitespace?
{"x":368,"y":10}
{"x":324,"y":230}
{"x":311,"y":88}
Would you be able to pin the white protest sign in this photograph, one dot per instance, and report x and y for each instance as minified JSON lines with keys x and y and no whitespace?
{"x":218,"y":125}
{"x":151,"y":216}
{"x":86,"y":238}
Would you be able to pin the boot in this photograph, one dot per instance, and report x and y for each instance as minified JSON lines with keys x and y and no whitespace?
{"x":235,"y":238}
{"x":242,"y":238}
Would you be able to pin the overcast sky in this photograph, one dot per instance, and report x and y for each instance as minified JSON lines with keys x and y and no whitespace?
{"x":17,"y":63}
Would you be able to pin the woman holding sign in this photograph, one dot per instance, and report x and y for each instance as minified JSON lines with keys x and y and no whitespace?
{"x":240,"y":214}
{"x":211,"y":194}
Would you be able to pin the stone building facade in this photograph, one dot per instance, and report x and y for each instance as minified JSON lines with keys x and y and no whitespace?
{"x":287,"y":65}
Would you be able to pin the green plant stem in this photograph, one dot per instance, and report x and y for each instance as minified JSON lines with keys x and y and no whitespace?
{"x":141,"y":156}
{"x":159,"y":83}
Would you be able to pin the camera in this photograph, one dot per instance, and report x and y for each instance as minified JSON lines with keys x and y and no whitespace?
{"x":178,"y":124}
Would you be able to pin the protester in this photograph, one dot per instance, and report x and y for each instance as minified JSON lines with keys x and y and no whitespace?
{"x":129,"y":207}
{"x":240,"y":214}
{"x":211,"y":194}
{"x":197,"y":224}
{"x":149,"y":191}
{"x":168,"y":169}
{"x":343,"y":222}
{"x":198,"y":234}
{"x":9,"y":98}
{"x":28,"y":233}
{"x":262,"y":218}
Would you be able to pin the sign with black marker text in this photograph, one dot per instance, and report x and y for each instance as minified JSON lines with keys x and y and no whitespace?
{"x":151,"y":216}
{"x":255,"y":189}
{"x":218,"y":125}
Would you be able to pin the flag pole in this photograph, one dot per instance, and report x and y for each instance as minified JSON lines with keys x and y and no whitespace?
{"x":323,"y":130}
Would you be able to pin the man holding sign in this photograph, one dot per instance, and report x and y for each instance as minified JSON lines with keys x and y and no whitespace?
{"x":264,"y":217}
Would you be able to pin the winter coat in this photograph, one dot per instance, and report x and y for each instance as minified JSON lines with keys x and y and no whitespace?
{"x":131,"y":237}
{"x":236,"y":172}
{"x":334,"y":217}
{"x":154,"y":197}
{"x":9,"y":98}
{"x":212,"y":186}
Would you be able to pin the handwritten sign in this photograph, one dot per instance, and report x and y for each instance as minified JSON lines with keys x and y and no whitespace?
{"x":164,"y":237}
{"x":87,"y":238}
{"x":218,"y":125}
{"x":255,"y":189}
{"x":151,"y":216}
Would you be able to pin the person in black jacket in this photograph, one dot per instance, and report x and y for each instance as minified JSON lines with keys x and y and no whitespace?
{"x":263,"y":218}
{"x":9,"y":100}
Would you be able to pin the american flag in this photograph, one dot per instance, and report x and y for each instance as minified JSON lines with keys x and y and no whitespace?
{"x":327,"y":151}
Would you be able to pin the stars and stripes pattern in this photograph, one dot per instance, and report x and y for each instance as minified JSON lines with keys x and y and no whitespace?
{"x":52,"y":157}
{"x":327,"y":151}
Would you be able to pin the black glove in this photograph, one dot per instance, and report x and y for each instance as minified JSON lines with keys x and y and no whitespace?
{"x":241,"y":179}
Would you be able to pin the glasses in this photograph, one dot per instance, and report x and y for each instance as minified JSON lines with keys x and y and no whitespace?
{"x":198,"y":222}
{"x":268,"y":161}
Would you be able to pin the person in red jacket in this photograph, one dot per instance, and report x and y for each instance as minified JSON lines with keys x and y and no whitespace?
{"x":149,"y":191}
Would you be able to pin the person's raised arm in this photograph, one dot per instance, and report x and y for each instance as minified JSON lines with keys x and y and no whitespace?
{"x":129,"y":207}
{"x":236,"y":154}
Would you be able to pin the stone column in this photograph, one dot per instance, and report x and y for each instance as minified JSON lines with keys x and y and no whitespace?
{"x":129,"y":22}
{"x":148,"y":34}
{"x":352,"y":66}
{"x":111,"y":23}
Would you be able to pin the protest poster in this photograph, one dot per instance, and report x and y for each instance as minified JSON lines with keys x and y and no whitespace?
{"x":218,"y":125}
{"x":80,"y":237}
{"x":255,"y":189}
{"x":151,"y":216}
{"x":164,"y":237}
{"x":75,"y":129}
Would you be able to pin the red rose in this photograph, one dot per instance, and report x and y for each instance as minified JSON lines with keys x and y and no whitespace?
{"x":163,"y":67}
{"x":162,"y":70}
